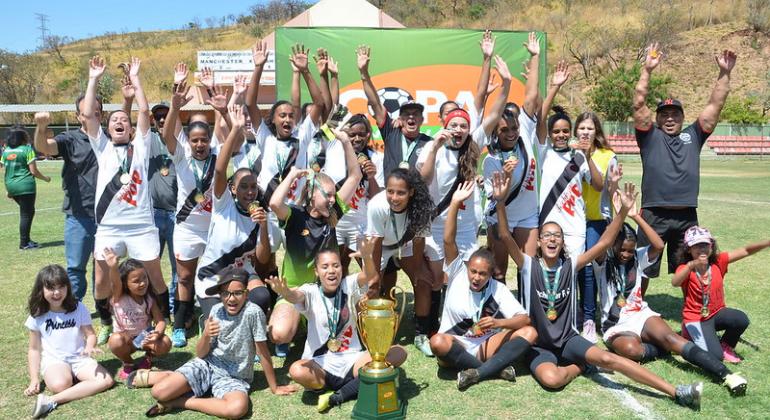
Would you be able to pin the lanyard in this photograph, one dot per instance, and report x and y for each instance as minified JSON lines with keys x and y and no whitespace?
{"x":124,"y":160}
{"x":551,"y":286}
{"x":407,"y":149}
{"x":705,"y":286}
{"x":395,"y":231}
{"x":503,"y":156}
{"x":282,"y":160}
{"x":332,"y":316}
{"x":477,"y":311}
{"x":621,"y":286}
{"x":199,"y":176}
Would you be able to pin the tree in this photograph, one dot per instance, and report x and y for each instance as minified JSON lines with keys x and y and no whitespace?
{"x":746,"y":110}
{"x":758,"y":15}
{"x":22,"y":77}
{"x":54,"y":44}
{"x":612,"y":95}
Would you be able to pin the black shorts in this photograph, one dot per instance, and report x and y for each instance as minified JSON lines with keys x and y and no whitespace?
{"x":572,"y":353}
{"x":335,"y":382}
{"x":670,"y":225}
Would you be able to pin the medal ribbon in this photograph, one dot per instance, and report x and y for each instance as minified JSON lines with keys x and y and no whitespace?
{"x":621,"y":285}
{"x":484,"y":297}
{"x":332,"y":316}
{"x":124,"y":165}
{"x":705,"y":287}
{"x":199,"y":177}
{"x":407,"y":149}
{"x":281,"y":160}
{"x":503,"y":156}
{"x":395,"y":230}
{"x":551,"y":286}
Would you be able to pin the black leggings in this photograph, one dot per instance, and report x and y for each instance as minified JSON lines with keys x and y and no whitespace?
{"x":704,"y":334}
{"x":26,"y":204}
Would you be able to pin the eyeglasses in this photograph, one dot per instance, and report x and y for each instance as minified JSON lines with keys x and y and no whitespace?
{"x":549,"y":235}
{"x":238,"y":294}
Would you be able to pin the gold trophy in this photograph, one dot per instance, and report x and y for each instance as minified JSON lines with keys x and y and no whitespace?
{"x":378,"y":396}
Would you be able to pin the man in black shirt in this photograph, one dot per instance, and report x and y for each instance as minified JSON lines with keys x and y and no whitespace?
{"x":671,"y":156}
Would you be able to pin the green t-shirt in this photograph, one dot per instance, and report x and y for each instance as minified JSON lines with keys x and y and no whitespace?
{"x":18,"y":178}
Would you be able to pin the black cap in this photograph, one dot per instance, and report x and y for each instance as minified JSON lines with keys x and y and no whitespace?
{"x":411,"y":105}
{"x":227,"y":275}
{"x":669,"y":102}
{"x":158,"y":106}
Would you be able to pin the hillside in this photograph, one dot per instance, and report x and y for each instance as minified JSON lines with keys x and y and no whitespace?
{"x":600,"y":33}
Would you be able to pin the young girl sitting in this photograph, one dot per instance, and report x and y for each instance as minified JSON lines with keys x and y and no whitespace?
{"x":701,"y":278}
{"x":61,"y":343}
{"x":134,"y":310}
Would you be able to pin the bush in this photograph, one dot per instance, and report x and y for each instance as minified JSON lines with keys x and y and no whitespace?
{"x":613,"y":93}
{"x":746,"y":110}
{"x":758,"y":16}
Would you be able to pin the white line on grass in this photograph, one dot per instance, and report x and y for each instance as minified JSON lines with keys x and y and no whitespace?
{"x":625,"y":398}
{"x":12,"y":213}
{"x":763,"y":203}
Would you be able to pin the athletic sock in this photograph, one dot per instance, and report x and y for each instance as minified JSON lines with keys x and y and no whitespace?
{"x":261,"y":297}
{"x":421,"y":325}
{"x":182,"y":311}
{"x":348,"y":392}
{"x":163,"y":304}
{"x":435,"y":311}
{"x":459,"y":358}
{"x":652,"y":352}
{"x":103,"y":309}
{"x":505,"y":355}
{"x":704,"y":360}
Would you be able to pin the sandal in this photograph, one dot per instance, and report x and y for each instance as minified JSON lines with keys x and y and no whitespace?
{"x":156,"y":410}
{"x":139,"y":378}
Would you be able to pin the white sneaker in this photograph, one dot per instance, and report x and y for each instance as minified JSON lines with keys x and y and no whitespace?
{"x":589,"y":332}
{"x":423,"y":344}
{"x":43,"y":406}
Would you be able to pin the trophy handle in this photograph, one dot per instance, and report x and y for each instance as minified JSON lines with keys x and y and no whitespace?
{"x":361,"y":331}
{"x":403,"y":306}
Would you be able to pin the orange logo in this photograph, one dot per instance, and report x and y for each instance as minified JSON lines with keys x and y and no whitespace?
{"x":11,"y":156}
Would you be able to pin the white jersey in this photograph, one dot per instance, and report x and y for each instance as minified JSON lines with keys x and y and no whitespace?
{"x":464,"y":307}
{"x":320,"y":310}
{"x":524,"y":177}
{"x":382,"y":222}
{"x":358,"y":203}
{"x":611,"y":284}
{"x":60,"y":333}
{"x":193,"y":215}
{"x":123,"y":205}
{"x":233,"y":238}
{"x":569,"y":209}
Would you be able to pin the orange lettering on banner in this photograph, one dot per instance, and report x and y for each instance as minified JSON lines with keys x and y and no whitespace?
{"x":128,"y":192}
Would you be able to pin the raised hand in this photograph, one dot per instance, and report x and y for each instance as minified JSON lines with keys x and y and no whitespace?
{"x":110,"y":258}
{"x":533,"y":44}
{"x":321,"y":59}
{"x":363,"y":55}
{"x":180,"y":96}
{"x":133,"y":69}
{"x":501,"y":182}
{"x":240,"y":84}
{"x":96,"y":67}
{"x":259,"y":53}
{"x":560,"y":74}
{"x":365,"y":248}
{"x":726,"y":61}
{"x":463,"y":191}
{"x":180,"y":73}
{"x":332,"y":66}
{"x":616,"y":174}
{"x":127,"y":88}
{"x":237,"y":116}
{"x":369,"y":169}
{"x":492,"y":85}
{"x":299,"y":57}
{"x":341,"y":135}
{"x":207,"y":78}
{"x":42,"y":118}
{"x":218,"y":100}
{"x":627,"y":197}
{"x":278,"y":284}
{"x":502,"y":69}
{"x":487,"y":44}
{"x":653,"y":56}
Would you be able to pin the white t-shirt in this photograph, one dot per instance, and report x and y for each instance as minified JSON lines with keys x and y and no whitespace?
{"x":317,"y":308}
{"x":130,"y":205}
{"x":60,"y":332}
{"x":526,"y":202}
{"x":196,"y":216}
{"x":233,"y":237}
{"x":379,"y":223}
{"x":608,"y":290}
{"x":570,"y":210}
{"x":358,"y":203}
{"x":463,"y":307}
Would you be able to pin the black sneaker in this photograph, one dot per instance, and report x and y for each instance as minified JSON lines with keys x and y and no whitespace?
{"x":467,"y":378}
{"x":29,"y":245}
{"x":509,"y":374}
{"x":689,"y":395}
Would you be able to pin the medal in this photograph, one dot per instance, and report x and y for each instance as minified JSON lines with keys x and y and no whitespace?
{"x":476,"y":330}
{"x":125,"y":178}
{"x":404,"y":165}
{"x":551,"y":289}
{"x":362,"y":158}
{"x":514,"y":159}
{"x":705,"y":290}
{"x":621,"y":301}
{"x":316,"y":167}
{"x":551,"y":314}
{"x":704,"y":312}
{"x":334,"y":345}
{"x":164,"y":171}
{"x":199,"y":198}
{"x":573,"y":143}
{"x":253,"y":207}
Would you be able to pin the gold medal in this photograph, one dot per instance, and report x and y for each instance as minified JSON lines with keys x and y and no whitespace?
{"x":164,"y":171}
{"x":253,"y":207}
{"x":514,"y":159}
{"x":573,"y":143}
{"x":476,"y":330}
{"x":199,"y":198}
{"x":316,"y":167}
{"x":125,"y":179}
{"x":551,"y":314}
{"x":334,"y":345}
{"x":704,"y":311}
{"x":404,"y":165}
{"x":362,"y":158}
{"x":621,"y":301}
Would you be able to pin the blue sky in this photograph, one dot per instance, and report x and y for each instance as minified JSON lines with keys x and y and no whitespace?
{"x":85,"y":18}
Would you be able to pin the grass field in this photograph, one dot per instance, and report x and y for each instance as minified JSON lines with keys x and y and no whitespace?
{"x":734,"y":203}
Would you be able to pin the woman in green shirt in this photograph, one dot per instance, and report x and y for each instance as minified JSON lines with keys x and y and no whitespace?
{"x":18,"y":159}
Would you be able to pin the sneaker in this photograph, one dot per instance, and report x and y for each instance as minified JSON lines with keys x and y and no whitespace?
{"x":29,"y":245}
{"x":589,"y":332}
{"x":281,"y":350}
{"x":125,"y":371}
{"x":323,"y":401}
{"x":466,"y":378}
{"x":104,"y":335}
{"x":423,"y":344}
{"x":729,"y":354}
{"x":689,"y":395}
{"x":736,"y":384}
{"x":43,"y":405}
{"x":508,"y":374}
{"x":178,"y":337}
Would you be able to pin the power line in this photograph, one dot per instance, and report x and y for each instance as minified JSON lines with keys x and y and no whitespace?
{"x":43,"y":19}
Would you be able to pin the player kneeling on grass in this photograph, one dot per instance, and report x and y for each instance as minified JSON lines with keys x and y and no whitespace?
{"x":235,"y":331}
{"x":548,"y":291}
{"x":60,"y":328}
{"x":630,"y":328}
{"x":483,"y":328}
{"x":134,"y":309}
{"x":333,"y":353}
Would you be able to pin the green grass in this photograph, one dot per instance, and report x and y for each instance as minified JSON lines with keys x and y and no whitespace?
{"x":734,"y":204}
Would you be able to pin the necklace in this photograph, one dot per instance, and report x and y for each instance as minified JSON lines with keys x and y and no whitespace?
{"x":551,"y":287}
{"x":332,"y":317}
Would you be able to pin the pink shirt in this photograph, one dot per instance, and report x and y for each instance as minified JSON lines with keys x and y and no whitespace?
{"x":131,"y":317}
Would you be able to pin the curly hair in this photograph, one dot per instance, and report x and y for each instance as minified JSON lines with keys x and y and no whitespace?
{"x":420,"y":208}
{"x":600,"y":140}
{"x":49,"y":277}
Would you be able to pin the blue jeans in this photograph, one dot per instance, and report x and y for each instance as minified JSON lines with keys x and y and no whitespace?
{"x":586,"y":279}
{"x":164,"y":221}
{"x":78,"y":247}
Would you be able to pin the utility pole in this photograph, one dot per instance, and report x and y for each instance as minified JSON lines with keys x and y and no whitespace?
{"x":43,"y":19}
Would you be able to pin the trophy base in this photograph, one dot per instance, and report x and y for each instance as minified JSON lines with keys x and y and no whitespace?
{"x":378,"y":396}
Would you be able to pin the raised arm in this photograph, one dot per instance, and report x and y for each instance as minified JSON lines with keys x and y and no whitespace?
{"x":363,"y":54}
{"x":709,"y":118}
{"x":559,"y":78}
{"x":262,"y":252}
{"x":217,"y":98}
{"x":532,"y":90}
{"x":292,"y":294}
{"x":628,"y":200}
{"x":354,"y":175}
{"x":232,"y":143}
{"x":740,"y":253}
{"x":128,"y":92}
{"x":113,"y":274}
{"x":462,"y":193}
{"x":42,"y":142}
{"x":143,"y":114}
{"x":296,"y":91}
{"x":491,"y":118}
{"x":300,"y":60}
{"x":278,"y":199}
{"x":370,"y":275}
{"x":259,"y":54}
{"x":322,"y":63}
{"x":334,"y":82}
{"x":487,"y":45}
{"x":179,"y":98}
{"x":500,"y":184}
{"x":96,"y":68}
{"x":427,"y":168}
{"x":642,"y":113}
{"x":656,"y":243}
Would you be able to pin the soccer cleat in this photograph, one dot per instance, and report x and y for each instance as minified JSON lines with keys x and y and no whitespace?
{"x":466,"y":378}
{"x":423,"y":344}
{"x":736,"y":384}
{"x":281,"y":350}
{"x":104,"y":335}
{"x":508,"y":374}
{"x":43,"y":406}
{"x":728,"y":353}
{"x":589,"y":332}
{"x":29,"y":245}
{"x":323,"y":401}
{"x":178,"y":337}
{"x":689,"y":395}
